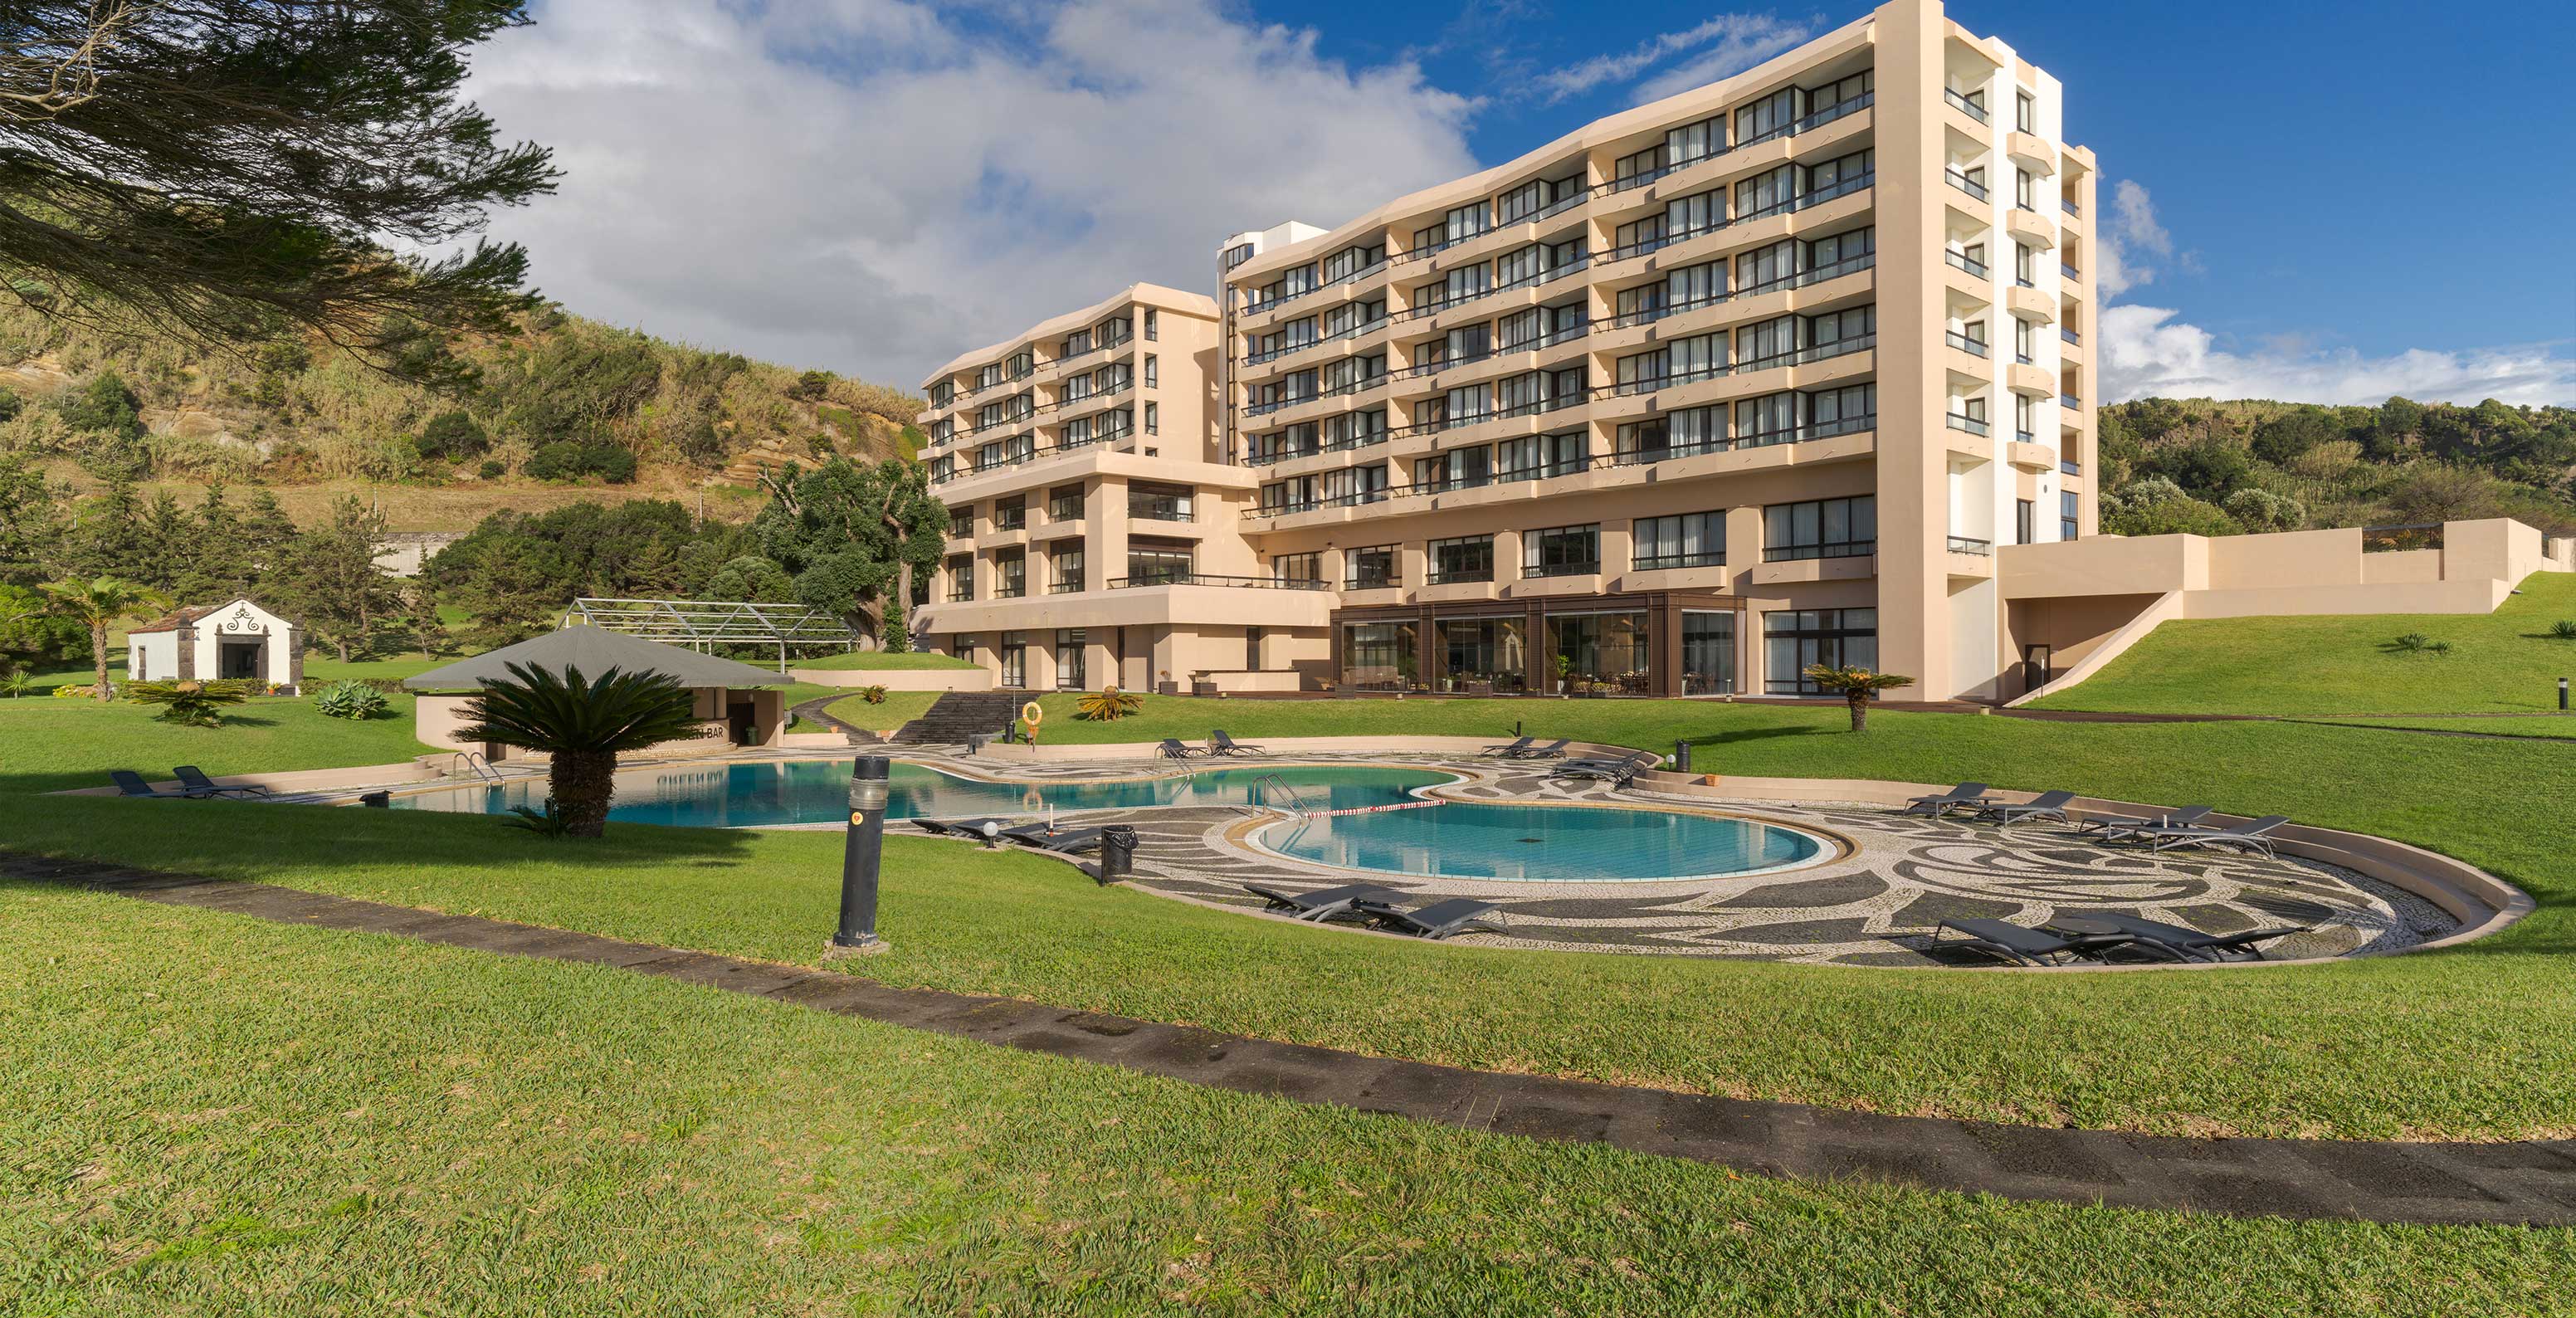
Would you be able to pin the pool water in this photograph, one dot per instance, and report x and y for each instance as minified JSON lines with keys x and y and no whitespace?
{"x":818,"y":791}
{"x":1543,"y":843}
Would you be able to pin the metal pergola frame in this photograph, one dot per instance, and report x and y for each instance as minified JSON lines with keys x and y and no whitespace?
{"x":706,"y":624}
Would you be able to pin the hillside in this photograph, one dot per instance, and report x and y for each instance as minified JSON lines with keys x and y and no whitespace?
{"x":565,"y":409}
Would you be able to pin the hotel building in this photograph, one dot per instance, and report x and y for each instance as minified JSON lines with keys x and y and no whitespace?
{"x":1756,"y":376}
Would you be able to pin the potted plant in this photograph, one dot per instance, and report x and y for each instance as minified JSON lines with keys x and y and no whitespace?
{"x":1164,"y":685}
{"x":1564,"y":673}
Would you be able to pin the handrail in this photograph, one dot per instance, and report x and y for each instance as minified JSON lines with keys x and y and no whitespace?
{"x":474,"y":764}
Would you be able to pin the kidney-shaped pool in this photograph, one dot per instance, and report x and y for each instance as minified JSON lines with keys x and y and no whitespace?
{"x":1545,"y":843}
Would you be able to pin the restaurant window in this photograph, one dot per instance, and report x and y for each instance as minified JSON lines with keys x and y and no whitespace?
{"x":1708,"y":654}
{"x":1820,"y":528}
{"x":1015,"y":660}
{"x":1462,"y":558}
{"x":1369,"y":569}
{"x":1599,"y":652}
{"x":1796,"y":639}
{"x":1493,"y":650}
{"x":1072,"y":665}
{"x":1561,"y":551}
{"x":1379,"y":656}
{"x":1680,"y":540}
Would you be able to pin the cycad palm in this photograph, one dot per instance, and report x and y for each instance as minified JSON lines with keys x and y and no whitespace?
{"x":98,"y":603}
{"x":1855,"y":686}
{"x":583,"y":723}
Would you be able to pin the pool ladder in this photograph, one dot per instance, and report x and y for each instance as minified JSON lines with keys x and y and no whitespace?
{"x":1285,"y":788}
{"x":474,"y":765}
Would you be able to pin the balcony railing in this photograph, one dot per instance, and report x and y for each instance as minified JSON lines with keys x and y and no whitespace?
{"x":2069,"y":205}
{"x":1965,"y":184}
{"x":2069,"y":400}
{"x":1967,"y":105}
{"x":1590,"y":569}
{"x":1965,"y":262}
{"x":1065,"y":588}
{"x":1461,"y":576}
{"x":1970,"y":424}
{"x":1826,"y":549}
{"x":1973,"y":347}
{"x":2069,"y":467}
{"x":1666,"y":562}
{"x":1960,"y":544}
{"x":1158,"y":512}
{"x":2070,"y":336}
{"x":1387,"y":582}
{"x":1209,"y":579}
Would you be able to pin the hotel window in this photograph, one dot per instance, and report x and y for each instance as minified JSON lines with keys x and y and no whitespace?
{"x":1353,"y":485}
{"x":1820,"y":528}
{"x":1012,"y":513}
{"x":1077,"y":388}
{"x":1293,"y":495}
{"x":1064,"y":569}
{"x":1642,"y":373}
{"x":1157,"y":562}
{"x":943,"y":430}
{"x":1370,"y":568}
{"x":1844,"y":92}
{"x":2021,"y":265}
{"x":2023,"y":341}
{"x":1766,"y":265}
{"x":1023,"y":363}
{"x":1695,"y":141}
{"x":1297,"y":568}
{"x":1350,"y":261}
{"x":2070,"y":514}
{"x":2025,"y":419}
{"x":1161,"y":503}
{"x":1343,"y":320}
{"x":1466,"y":222}
{"x":1765,"y":193}
{"x":1797,"y":639}
{"x":987,"y":377}
{"x":1076,"y":344}
{"x":1468,"y":404}
{"x":1695,"y":214}
{"x":1844,"y":411}
{"x":1064,"y":504}
{"x":1694,"y":285}
{"x":942,"y":393}
{"x":1768,"y":343}
{"x":1153,"y":325}
{"x":1631,"y":170}
{"x":1848,"y":330}
{"x":1010,"y":574}
{"x":1770,"y":419}
{"x":1151,"y":374}
{"x":1854,"y":246}
{"x":1458,"y":469}
{"x":1639,"y":236}
{"x":1465,"y":282}
{"x":1765,"y":117}
{"x":1681,"y":540}
{"x":961,"y":578}
{"x":1153,"y":418}
{"x":961,"y":522}
{"x":1014,"y":654}
{"x":1352,"y":429}
{"x":2025,"y":521}
{"x":1522,"y":202}
{"x":1463,"y":558}
{"x":2025,"y":112}
{"x":1561,"y":551}
{"x":1696,"y":358}
{"x":1838,"y":176}
{"x":1531,"y":457}
{"x":2021,"y":188}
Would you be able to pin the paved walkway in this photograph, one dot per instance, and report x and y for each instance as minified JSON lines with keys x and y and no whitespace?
{"x":2525,"y":1182}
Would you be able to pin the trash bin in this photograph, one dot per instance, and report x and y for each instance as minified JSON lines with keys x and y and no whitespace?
{"x":1117,"y":852}
{"x":1681,"y":757}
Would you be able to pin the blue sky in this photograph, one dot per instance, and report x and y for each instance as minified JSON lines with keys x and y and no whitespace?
{"x":2322,"y":210}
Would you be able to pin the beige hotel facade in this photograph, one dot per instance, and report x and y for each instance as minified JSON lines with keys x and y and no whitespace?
{"x":1760,"y":375}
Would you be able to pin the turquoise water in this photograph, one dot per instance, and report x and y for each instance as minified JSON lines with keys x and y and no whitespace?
{"x":1542,"y":844}
{"x":818,"y":791}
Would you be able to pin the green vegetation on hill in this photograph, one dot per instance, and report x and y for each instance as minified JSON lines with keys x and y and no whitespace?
{"x":2351,"y":664}
{"x":863,"y":660}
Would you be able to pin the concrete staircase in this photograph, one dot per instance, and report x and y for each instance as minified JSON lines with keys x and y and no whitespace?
{"x":960,"y":714}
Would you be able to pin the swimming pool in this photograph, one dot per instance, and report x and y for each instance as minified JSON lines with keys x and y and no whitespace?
{"x":817,"y":791}
{"x":1544,"y":843}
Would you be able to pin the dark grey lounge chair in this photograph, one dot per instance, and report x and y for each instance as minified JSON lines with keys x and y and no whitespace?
{"x":968,"y":828}
{"x":1066,"y":842}
{"x":2111,"y":826}
{"x":1619,"y":772}
{"x":2192,"y":944}
{"x":2046,"y":805}
{"x":1509,"y":748}
{"x":1221,"y":744}
{"x":194,"y":783}
{"x":130,"y":783}
{"x":2253,"y":835}
{"x":1322,"y":903}
{"x":1554,"y":750}
{"x":1969,"y":796}
{"x":1172,"y":749}
{"x":2026,"y":947}
{"x":1440,"y":919}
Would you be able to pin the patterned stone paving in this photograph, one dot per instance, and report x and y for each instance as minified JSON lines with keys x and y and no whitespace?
{"x":1875,"y":905}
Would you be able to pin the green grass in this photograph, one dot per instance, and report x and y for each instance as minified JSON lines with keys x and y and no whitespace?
{"x":50,"y":743}
{"x":878,"y":659}
{"x":2558,"y":726}
{"x":899,"y":708}
{"x":417,"y":1128}
{"x":2470,"y":1043}
{"x":320,"y":668}
{"x":2499,"y":662}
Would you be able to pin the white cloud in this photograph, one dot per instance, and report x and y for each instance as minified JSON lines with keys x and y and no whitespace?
{"x":874,"y":186}
{"x":2150,"y":352}
{"x":1740,"y":41}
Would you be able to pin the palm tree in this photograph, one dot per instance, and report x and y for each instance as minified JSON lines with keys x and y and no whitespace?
{"x":98,"y":603}
{"x":1856,"y":686}
{"x":582,"y":723}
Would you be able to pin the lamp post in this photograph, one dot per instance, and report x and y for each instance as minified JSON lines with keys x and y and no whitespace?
{"x":2562,"y":695}
{"x":862,"y":854}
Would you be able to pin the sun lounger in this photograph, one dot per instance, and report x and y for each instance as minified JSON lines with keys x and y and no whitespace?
{"x":1619,"y":772}
{"x":1066,"y":842}
{"x":2253,"y":835}
{"x":130,"y":783}
{"x":2046,"y":805}
{"x":2112,"y":826}
{"x":1965,"y":795}
{"x":967,"y":828}
{"x":1221,"y":744}
{"x":1321,"y":903}
{"x":1437,"y":920}
{"x":2021,"y":946}
{"x":1554,"y":750}
{"x":1172,"y":749}
{"x":193,"y":782}
{"x":1509,"y":748}
{"x":2192,"y":944}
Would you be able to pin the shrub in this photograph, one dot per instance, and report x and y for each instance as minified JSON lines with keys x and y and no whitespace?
{"x":2564,"y":629}
{"x":874,"y":695}
{"x":74,"y":692}
{"x":190,"y":702}
{"x":349,"y":700}
{"x":453,"y":436}
{"x":2418,"y":643}
{"x":565,"y":460}
{"x":1107,"y":705}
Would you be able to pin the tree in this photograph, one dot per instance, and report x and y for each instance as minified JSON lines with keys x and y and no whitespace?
{"x":510,"y":591}
{"x":332,"y":582}
{"x":32,"y":532}
{"x":1856,"y":686}
{"x":2262,"y":510}
{"x":32,"y":634}
{"x":582,"y":724}
{"x":97,"y":604}
{"x":110,"y":537}
{"x":226,"y":168}
{"x":2433,"y":492}
{"x":853,"y":536}
{"x":452,"y":435}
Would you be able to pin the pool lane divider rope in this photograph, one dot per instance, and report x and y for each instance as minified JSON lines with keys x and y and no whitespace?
{"x":2519,"y":1182}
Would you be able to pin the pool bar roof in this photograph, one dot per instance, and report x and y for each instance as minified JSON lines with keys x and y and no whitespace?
{"x":706,"y":624}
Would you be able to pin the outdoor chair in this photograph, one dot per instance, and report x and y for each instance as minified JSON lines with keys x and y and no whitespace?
{"x":1969,"y":795}
{"x":1322,"y":903}
{"x":1068,"y":842}
{"x":1554,"y":750}
{"x":1221,"y":744}
{"x":2253,"y":835}
{"x":130,"y":783}
{"x":1619,"y":772}
{"x":2192,"y":944}
{"x":1510,"y":748}
{"x":2026,"y":947}
{"x":2112,"y":826}
{"x":194,"y":783}
{"x":2046,"y":805}
{"x":1440,"y":919}
{"x":968,"y":828}
{"x":1172,"y":749}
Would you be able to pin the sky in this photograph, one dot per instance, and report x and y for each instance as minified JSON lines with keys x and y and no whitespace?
{"x":2326,"y":211}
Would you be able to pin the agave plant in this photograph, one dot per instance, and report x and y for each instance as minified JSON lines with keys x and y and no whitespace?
{"x":2564,"y":629}
{"x":583,"y":723}
{"x":1107,"y":705}
{"x":349,"y":699}
{"x":874,"y":695}
{"x":196,"y":704}
{"x":1855,"y":686}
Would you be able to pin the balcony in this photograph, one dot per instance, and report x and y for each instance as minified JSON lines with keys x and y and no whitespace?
{"x":1209,"y":579}
{"x":1591,"y":569}
{"x":1970,"y":424}
{"x":1960,"y":544}
{"x":1827,"y":549}
{"x":1966,"y":105}
{"x":1668,"y":562}
{"x":1461,"y":577}
{"x":1965,"y":184}
{"x":1972,"y":347}
{"x":1158,"y":511}
{"x":1388,"y":582}
{"x":2069,"y":336}
{"x":2069,"y":400}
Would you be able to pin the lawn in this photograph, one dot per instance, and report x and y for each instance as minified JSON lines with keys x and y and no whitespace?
{"x":2499,"y":662}
{"x":2471,"y":1043}
{"x":898,"y":708}
{"x":416,"y":1128}
{"x":2559,"y":726}
{"x":48,"y":743}
{"x":878,"y":659}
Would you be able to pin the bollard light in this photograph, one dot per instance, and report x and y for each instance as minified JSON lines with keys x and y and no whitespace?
{"x":2562,"y":695}
{"x":862,"y":857}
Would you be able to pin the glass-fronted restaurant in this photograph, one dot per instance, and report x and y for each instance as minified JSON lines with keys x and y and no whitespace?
{"x":1660,"y":643}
